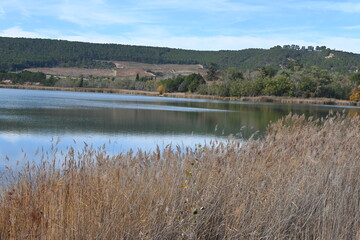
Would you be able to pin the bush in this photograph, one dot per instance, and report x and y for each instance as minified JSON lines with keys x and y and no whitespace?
{"x":355,"y":94}
{"x":161,"y":89}
{"x":278,"y":86}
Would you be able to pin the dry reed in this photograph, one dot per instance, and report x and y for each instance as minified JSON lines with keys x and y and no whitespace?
{"x":301,"y":181}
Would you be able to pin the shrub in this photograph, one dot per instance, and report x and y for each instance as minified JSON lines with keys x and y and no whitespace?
{"x":161,"y":89}
{"x":355,"y":94}
{"x":278,"y":86}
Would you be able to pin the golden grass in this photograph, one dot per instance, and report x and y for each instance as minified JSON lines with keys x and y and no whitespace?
{"x":301,"y":181}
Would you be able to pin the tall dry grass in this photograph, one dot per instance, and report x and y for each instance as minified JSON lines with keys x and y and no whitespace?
{"x":301,"y":181}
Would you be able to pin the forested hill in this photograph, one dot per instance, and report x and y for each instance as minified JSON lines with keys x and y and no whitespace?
{"x":20,"y":53}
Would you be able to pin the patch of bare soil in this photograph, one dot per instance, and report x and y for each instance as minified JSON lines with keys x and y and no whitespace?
{"x":159,"y":70}
{"x":74,"y":72}
{"x":128,"y":70}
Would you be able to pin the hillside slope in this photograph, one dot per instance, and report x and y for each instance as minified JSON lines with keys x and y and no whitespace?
{"x":21,"y":53}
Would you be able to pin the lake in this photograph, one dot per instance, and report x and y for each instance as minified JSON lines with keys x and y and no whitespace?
{"x":33,"y":121}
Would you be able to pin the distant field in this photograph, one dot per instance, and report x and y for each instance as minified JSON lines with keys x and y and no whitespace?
{"x":74,"y":72}
{"x":127,"y":70}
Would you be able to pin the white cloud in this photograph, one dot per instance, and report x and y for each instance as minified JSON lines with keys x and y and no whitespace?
{"x":18,"y":32}
{"x":96,"y":12}
{"x":357,"y":27}
{"x":2,"y":12}
{"x":203,"y":5}
{"x":345,"y":7}
{"x":80,"y":12}
{"x":342,"y":43}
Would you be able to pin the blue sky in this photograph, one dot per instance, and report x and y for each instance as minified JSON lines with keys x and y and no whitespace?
{"x":188,"y":24}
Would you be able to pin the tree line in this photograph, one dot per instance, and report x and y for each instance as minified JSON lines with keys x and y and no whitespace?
{"x":21,"y":53}
{"x":292,"y":81}
{"x":25,"y":76}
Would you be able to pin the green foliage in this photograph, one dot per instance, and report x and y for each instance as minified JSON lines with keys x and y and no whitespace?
{"x":300,"y":82}
{"x":281,"y":71}
{"x":51,"y":81}
{"x":293,"y":65}
{"x":355,"y":78}
{"x":213,"y":72}
{"x":191,"y":83}
{"x":183,"y":83}
{"x":24,"y":76}
{"x":279,"y":85}
{"x":267,"y":71}
{"x":215,"y":89}
{"x":21,"y":53}
{"x":315,"y":82}
{"x":232,"y":74}
{"x":172,"y":84}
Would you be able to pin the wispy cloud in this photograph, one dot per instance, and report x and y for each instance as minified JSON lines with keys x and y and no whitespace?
{"x":96,"y":12}
{"x":342,"y":43}
{"x":356,"y":27}
{"x":18,"y":32}
{"x":80,"y":12}
{"x":2,"y":12}
{"x":204,"y":5}
{"x":345,"y":7}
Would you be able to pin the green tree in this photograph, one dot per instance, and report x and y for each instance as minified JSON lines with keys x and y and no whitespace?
{"x":355,"y":78}
{"x":213,"y":72}
{"x":267,"y":71}
{"x":172,"y":84}
{"x":280,"y":85}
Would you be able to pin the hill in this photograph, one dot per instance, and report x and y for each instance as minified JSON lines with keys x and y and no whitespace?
{"x":22,"y":53}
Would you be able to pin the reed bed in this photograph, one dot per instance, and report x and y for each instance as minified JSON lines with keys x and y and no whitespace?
{"x":300,"y":181}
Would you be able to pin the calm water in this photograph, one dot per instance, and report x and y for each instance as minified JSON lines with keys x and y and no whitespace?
{"x":30,"y":119}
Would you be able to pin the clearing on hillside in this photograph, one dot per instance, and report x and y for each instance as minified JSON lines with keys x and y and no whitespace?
{"x":127,"y":70}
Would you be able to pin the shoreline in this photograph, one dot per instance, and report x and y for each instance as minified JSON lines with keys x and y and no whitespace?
{"x":265,"y":99}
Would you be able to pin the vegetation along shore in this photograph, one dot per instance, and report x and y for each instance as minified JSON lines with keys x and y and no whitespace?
{"x":269,"y":99}
{"x":288,"y":71}
{"x":300,"y":181}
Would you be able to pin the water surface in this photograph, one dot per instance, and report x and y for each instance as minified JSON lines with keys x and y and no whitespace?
{"x":30,"y":119}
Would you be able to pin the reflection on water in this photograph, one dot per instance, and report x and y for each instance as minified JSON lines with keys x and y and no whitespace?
{"x":29,"y":119}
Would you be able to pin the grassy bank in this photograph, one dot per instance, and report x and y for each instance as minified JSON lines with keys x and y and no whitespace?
{"x":273,"y":99}
{"x":301,"y":181}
